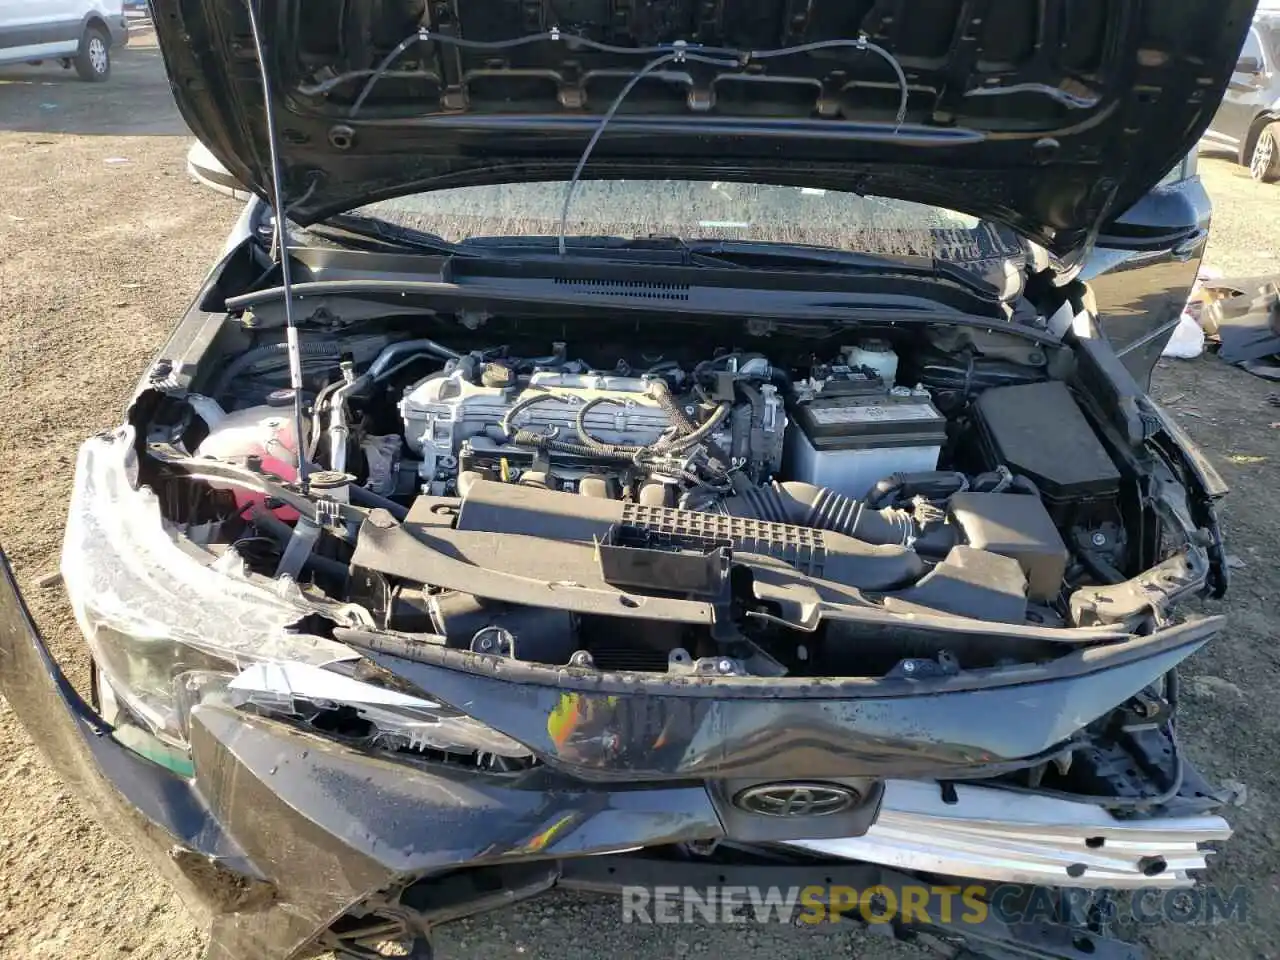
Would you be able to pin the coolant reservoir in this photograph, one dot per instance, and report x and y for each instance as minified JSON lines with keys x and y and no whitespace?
{"x":265,"y":432}
{"x":879,"y":355}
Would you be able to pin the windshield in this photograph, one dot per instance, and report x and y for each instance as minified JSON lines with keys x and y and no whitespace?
{"x":701,"y":210}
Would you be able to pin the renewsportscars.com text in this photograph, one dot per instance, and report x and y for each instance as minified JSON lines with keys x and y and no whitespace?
{"x":927,"y":904}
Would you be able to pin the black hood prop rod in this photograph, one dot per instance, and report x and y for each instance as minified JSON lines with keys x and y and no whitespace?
{"x":278,"y":211}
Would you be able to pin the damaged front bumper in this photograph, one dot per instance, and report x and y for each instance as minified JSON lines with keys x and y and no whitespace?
{"x":278,"y":833}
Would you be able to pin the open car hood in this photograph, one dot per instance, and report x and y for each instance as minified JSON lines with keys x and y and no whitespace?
{"x":1049,"y":117}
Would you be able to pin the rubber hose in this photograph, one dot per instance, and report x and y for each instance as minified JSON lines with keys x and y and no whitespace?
{"x":1025,"y":484}
{"x":275,"y":528}
{"x":367,"y":498}
{"x":931,"y":484}
{"x":807,"y":505}
{"x":306,"y":348}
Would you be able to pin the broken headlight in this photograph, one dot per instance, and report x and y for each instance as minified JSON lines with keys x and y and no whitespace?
{"x":169,"y":625}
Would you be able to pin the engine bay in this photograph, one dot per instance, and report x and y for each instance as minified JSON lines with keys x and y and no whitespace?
{"x":900,"y":501}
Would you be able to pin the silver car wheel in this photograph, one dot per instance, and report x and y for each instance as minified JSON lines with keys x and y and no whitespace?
{"x":98,"y":54}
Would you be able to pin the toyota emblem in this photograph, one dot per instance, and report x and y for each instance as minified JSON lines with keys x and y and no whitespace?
{"x":796,"y":800}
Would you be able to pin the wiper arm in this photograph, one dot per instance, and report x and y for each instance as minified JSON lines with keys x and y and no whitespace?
{"x":654,"y":249}
{"x":353,"y":224}
{"x":767,"y":254}
{"x":722,"y":254}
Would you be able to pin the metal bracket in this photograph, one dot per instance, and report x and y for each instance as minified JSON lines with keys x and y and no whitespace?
{"x":296,"y":552}
{"x":916,"y":668}
{"x":493,"y":641}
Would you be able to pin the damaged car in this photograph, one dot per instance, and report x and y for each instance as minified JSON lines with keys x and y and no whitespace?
{"x":656,"y":443}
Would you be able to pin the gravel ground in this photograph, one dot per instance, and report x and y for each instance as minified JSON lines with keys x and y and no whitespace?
{"x":103,"y":241}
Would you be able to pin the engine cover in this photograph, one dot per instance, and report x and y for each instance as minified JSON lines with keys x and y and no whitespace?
{"x":445,"y":411}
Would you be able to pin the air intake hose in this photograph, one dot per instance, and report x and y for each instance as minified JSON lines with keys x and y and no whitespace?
{"x":808,"y":505}
{"x":930,"y":484}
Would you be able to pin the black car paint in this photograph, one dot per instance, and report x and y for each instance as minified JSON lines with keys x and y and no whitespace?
{"x":319,"y":829}
{"x":282,"y":831}
{"x":989,"y":129}
{"x":636,"y":729}
{"x":1141,"y":273}
{"x":1252,"y":98}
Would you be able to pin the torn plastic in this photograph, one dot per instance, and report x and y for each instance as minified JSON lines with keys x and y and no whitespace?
{"x":154,"y":607}
{"x":398,"y":719}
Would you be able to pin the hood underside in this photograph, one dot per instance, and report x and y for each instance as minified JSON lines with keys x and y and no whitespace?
{"x":1048,"y":116}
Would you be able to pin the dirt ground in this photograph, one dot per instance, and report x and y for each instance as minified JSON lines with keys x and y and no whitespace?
{"x":103,"y":241}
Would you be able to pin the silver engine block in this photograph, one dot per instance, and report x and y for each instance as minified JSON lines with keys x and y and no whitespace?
{"x":448,"y":409}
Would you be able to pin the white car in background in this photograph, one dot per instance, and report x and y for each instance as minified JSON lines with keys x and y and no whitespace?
{"x":77,"y":33}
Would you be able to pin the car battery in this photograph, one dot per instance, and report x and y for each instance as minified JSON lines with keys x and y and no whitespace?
{"x":851,"y":434}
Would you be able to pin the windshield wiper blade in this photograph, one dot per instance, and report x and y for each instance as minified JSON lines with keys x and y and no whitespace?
{"x":604,"y":247}
{"x":765,"y":253}
{"x":383,"y":231}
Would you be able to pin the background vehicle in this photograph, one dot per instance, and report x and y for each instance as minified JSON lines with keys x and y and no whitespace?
{"x":1248,"y":121}
{"x":79,"y":33}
